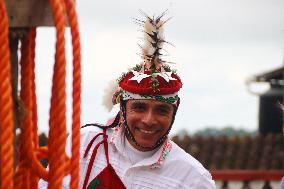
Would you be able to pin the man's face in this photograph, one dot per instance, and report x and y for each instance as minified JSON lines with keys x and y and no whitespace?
{"x":148,"y":121}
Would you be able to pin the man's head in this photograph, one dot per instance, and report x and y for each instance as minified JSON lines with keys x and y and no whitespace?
{"x":148,"y":121}
{"x":148,"y":93}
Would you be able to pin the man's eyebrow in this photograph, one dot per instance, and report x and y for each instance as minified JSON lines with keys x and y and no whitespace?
{"x":137,"y":103}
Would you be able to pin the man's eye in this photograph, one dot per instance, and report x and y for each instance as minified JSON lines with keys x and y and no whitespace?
{"x":163,"y":110}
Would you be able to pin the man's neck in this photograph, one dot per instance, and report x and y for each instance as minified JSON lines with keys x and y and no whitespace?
{"x":136,"y":155}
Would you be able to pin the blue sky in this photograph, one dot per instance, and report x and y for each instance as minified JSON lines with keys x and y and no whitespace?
{"x":218,"y":45}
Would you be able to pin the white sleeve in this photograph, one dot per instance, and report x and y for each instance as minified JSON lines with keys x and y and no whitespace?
{"x":282,"y":184}
{"x":204,"y":182}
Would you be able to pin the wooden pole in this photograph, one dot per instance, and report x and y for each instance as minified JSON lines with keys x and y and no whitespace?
{"x":15,"y":35}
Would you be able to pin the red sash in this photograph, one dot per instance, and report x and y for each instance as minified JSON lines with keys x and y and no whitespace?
{"x":107,"y":178}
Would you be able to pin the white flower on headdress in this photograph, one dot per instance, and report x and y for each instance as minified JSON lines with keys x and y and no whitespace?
{"x":167,"y":76}
{"x":139,"y":76}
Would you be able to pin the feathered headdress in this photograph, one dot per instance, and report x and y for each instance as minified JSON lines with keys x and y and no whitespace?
{"x":153,"y":78}
{"x":153,"y":41}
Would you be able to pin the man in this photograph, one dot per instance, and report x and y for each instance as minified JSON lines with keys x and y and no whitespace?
{"x":134,"y":151}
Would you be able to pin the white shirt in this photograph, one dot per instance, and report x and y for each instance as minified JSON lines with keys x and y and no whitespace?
{"x":169,"y":167}
{"x":282,"y":183}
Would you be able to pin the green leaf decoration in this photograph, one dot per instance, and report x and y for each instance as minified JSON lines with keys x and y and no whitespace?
{"x":94,"y":183}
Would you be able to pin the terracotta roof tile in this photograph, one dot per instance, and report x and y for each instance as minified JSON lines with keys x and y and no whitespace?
{"x":222,"y":152}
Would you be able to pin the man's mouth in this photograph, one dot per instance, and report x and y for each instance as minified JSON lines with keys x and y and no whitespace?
{"x":146,"y":131}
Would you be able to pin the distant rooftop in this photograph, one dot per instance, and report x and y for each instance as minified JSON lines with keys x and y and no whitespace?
{"x":240,"y":153}
{"x":276,"y":74}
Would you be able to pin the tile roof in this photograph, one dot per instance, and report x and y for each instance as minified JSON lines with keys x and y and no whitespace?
{"x":247,"y":153}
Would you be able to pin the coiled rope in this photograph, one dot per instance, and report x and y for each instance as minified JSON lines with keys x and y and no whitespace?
{"x":74,"y":167}
{"x":30,"y":169}
{"x":6,"y":105}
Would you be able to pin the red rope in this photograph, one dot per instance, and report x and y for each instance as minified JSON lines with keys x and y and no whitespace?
{"x":34,"y":176}
{"x":30,"y":169}
{"x":27,"y":144}
{"x":6,"y":110}
{"x":57,"y":132}
{"x":76,"y":93}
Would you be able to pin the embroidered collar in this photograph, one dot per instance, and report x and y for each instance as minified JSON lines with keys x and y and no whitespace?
{"x":156,"y":161}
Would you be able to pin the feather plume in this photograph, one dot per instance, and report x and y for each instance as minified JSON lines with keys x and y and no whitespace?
{"x":153,"y":40}
{"x":109,"y":91}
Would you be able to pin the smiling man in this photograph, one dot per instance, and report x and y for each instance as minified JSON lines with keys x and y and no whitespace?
{"x":148,"y":121}
{"x":134,"y":151}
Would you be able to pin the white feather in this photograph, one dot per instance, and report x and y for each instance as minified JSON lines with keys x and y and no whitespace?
{"x":109,"y":91}
{"x":150,"y":27}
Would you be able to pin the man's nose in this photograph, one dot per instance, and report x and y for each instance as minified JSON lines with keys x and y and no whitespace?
{"x":149,"y":118}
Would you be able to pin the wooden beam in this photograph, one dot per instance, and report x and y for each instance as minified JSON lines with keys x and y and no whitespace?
{"x":247,"y":174}
{"x":29,"y":13}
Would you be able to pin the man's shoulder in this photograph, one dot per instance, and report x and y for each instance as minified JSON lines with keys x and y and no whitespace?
{"x":178,"y":155}
{"x":189,"y":168}
{"x":90,"y":129}
{"x":89,"y":132}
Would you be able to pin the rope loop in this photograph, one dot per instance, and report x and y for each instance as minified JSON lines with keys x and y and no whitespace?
{"x":6,"y":104}
{"x":30,"y":169}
